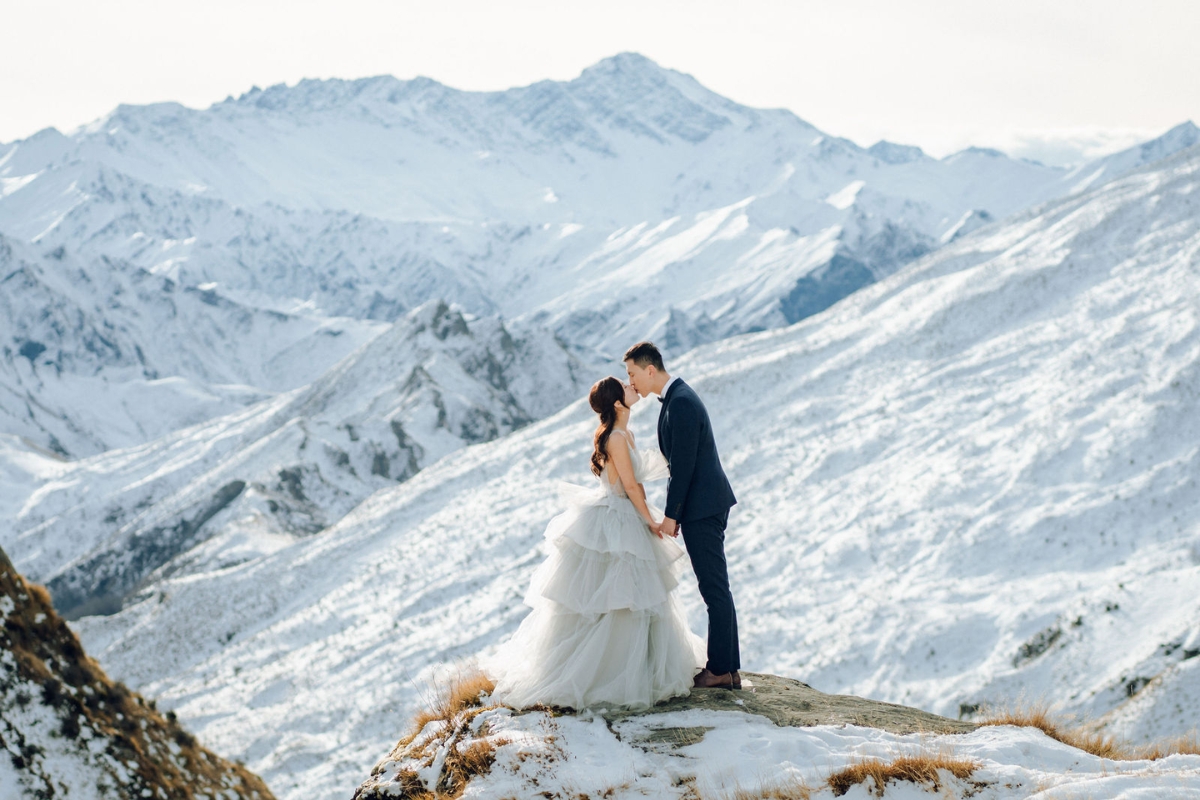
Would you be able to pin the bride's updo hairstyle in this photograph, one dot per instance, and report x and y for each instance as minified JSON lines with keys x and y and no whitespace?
{"x":605,"y":393}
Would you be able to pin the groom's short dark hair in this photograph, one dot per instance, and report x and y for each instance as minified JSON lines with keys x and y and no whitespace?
{"x":645,"y":353}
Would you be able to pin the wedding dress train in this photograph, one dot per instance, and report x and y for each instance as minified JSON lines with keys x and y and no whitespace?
{"x":607,"y":627}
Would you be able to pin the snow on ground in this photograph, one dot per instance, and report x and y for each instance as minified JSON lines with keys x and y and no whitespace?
{"x":567,"y":756}
{"x":970,"y":482}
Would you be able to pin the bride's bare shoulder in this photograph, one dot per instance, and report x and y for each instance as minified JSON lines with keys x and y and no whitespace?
{"x":627,"y":435}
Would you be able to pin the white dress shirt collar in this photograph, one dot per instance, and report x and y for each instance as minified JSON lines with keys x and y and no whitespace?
{"x":667,"y":386}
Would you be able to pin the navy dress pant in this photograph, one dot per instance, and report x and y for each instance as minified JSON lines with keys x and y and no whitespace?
{"x":705,"y":542}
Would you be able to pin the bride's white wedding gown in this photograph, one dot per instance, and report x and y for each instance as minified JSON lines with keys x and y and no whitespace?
{"x":607,"y":628}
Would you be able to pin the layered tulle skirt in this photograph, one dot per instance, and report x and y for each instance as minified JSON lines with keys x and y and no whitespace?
{"x":606,"y":627}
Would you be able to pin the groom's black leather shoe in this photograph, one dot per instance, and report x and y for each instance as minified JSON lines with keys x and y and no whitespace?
{"x":726,"y":680}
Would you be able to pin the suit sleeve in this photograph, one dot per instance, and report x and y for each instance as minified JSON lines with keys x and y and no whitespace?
{"x":685,"y":441}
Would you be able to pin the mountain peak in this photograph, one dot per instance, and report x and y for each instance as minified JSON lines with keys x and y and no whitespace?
{"x":892,"y":153}
{"x":1183,"y":135}
{"x":627,"y":61}
{"x":633,"y":92}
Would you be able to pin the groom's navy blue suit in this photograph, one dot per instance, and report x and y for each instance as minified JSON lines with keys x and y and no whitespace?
{"x":699,"y":497}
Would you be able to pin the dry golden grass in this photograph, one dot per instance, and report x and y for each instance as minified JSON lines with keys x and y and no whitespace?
{"x":412,"y":787}
{"x":791,"y":790}
{"x":924,"y":768}
{"x":462,"y":692}
{"x":456,"y":703}
{"x":1184,"y":745}
{"x":1038,"y":716}
{"x":463,"y":764}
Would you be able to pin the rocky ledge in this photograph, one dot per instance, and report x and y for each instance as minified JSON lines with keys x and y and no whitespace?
{"x":777,"y":738}
{"x":790,"y":703}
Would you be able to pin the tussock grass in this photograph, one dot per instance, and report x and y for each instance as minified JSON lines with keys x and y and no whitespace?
{"x":790,"y":790}
{"x":412,"y":787}
{"x":1182,"y":746}
{"x":467,"y":755}
{"x":463,"y":691}
{"x":1090,"y":741}
{"x":1038,"y":716}
{"x":465,"y":762}
{"x":922,"y":769}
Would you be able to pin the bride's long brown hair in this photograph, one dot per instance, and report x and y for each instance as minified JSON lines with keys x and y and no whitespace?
{"x":605,"y":393}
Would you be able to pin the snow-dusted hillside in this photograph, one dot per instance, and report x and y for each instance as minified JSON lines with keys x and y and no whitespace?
{"x":66,"y":730}
{"x":230,"y":253}
{"x":249,"y":483}
{"x":108,"y":355}
{"x":973,"y":480}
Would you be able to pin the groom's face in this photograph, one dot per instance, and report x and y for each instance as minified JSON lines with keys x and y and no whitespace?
{"x":640,"y":378}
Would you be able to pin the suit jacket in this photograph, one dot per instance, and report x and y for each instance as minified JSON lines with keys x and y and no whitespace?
{"x":698,"y":487}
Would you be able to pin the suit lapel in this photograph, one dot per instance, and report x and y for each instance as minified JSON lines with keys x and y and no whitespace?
{"x":662,"y":414}
{"x":662,"y":417}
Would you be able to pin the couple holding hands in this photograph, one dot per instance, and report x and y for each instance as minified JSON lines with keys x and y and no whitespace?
{"x":607,"y":627}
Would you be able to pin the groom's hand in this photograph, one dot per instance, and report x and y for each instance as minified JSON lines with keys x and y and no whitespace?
{"x":670,"y":527}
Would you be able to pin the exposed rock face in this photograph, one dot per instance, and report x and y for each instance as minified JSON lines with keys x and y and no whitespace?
{"x":789,"y":702}
{"x":67,"y":730}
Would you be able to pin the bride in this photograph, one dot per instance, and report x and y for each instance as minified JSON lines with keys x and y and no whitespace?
{"x":606,"y":626}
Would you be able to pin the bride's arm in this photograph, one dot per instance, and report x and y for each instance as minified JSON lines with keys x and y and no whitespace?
{"x":618,"y":454}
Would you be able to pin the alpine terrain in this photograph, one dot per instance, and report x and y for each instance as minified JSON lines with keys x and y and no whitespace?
{"x":288,"y":385}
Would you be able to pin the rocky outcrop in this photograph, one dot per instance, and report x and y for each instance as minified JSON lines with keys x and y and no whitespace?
{"x":789,"y":702}
{"x":67,"y":730}
{"x":465,"y":738}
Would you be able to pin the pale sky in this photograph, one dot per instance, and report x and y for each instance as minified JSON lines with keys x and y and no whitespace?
{"x":1048,"y":79}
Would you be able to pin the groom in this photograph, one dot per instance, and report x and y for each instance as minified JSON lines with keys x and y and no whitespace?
{"x":698,"y":502}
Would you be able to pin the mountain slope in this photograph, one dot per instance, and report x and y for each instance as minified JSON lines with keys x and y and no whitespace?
{"x":249,"y":483}
{"x":67,"y":730}
{"x":106,"y":354}
{"x":972,"y":480}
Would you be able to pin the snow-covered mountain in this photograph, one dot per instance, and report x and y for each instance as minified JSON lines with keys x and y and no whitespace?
{"x":970,"y":481}
{"x":625,"y":142}
{"x":249,"y":483}
{"x":230,"y":253}
{"x":108,"y":355}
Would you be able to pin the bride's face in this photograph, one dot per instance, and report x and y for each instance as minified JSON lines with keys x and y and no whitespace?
{"x":631,"y":395}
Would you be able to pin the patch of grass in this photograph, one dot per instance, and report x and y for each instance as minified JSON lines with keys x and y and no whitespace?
{"x":1184,"y":745}
{"x":412,"y":787}
{"x":466,"y":762}
{"x":922,"y":769}
{"x":788,"y":789}
{"x":455,"y":704}
{"x":1038,"y":716}
{"x":791,"y":790}
{"x":464,"y":691}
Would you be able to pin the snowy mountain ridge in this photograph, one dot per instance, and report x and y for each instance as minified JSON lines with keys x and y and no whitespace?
{"x":626,"y":203}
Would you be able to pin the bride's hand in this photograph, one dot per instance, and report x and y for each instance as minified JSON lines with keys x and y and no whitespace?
{"x":656,"y":528}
